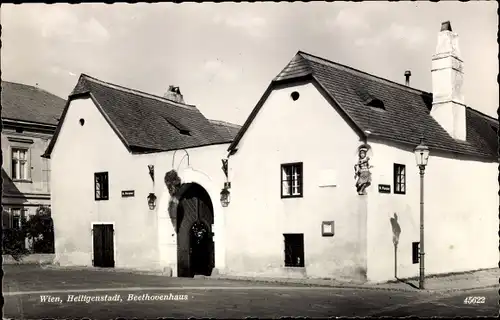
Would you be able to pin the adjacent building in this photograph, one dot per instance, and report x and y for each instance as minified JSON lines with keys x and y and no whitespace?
{"x":111,"y":153}
{"x":295,"y":207}
{"x":30,"y":116}
{"x":320,"y":181}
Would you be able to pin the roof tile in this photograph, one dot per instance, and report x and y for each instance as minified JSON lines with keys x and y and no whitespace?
{"x":29,"y":103}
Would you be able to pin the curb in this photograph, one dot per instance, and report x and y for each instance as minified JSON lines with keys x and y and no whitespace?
{"x":350,"y":286}
{"x":301,"y":282}
{"x":111,"y":270}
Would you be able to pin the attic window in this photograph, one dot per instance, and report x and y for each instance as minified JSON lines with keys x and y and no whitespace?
{"x":376,"y":103}
{"x":369,"y":100}
{"x":176,"y":124}
{"x":295,"y":96}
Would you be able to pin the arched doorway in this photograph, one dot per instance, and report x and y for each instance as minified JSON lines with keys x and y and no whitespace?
{"x":195,"y":245}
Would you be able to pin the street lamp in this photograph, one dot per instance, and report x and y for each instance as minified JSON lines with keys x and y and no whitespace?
{"x":152,"y":201}
{"x":225,"y":197}
{"x":421,"y":156}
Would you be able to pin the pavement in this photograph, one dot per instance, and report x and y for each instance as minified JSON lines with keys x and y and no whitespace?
{"x":33,"y":292}
{"x":486,"y":278}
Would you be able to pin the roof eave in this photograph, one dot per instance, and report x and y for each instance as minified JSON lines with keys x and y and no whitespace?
{"x":270,"y":88}
{"x":72,"y":97}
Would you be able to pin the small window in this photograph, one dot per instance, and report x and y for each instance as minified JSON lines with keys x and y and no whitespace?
{"x":294,"y":249}
{"x":399,"y":178}
{"x":414,"y":250}
{"x":377,"y":104}
{"x":16,"y":218}
{"x":101,"y":186}
{"x":20,"y":164}
{"x":291,"y":180}
{"x":295,"y":96}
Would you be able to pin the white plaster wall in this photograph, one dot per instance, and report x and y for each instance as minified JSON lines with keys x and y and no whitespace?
{"x":461,"y":214}
{"x":144,"y":238}
{"x":204,"y":168}
{"x":79,"y":152}
{"x":311,"y":131}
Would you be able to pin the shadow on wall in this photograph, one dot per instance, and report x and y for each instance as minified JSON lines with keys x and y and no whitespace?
{"x":396,"y":231}
{"x":9,"y":187}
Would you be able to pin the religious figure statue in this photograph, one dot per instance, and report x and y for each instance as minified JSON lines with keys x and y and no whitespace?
{"x":362,"y":170}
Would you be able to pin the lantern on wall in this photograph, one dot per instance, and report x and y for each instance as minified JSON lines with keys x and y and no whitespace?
{"x":225,"y":197}
{"x":152,"y":201}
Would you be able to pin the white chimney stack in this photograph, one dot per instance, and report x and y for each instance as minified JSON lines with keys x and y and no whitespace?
{"x":448,"y":105}
{"x":174,"y":94}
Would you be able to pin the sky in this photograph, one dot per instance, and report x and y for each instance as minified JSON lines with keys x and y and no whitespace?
{"x":223,"y":56}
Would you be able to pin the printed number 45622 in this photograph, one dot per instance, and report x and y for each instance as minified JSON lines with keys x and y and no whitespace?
{"x":474,"y":300}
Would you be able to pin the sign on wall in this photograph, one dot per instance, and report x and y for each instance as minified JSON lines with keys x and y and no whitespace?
{"x":384,"y":188}
{"x":328,"y":178}
{"x":327,"y":229}
{"x":128,"y":193}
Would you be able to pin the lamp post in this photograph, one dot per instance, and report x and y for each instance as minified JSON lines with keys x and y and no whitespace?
{"x":421,"y":156}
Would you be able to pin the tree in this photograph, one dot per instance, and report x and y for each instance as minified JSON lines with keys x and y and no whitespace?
{"x":40,"y":229}
{"x":13,"y":239}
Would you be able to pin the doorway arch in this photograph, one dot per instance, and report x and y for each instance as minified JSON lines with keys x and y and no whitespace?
{"x":194,"y":222}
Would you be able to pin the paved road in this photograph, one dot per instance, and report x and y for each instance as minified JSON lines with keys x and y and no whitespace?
{"x":25,"y":287}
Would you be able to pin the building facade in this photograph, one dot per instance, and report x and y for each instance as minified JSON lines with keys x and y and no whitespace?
{"x":321,"y":178}
{"x":324,"y":210}
{"x":123,"y":143}
{"x":30,"y":116}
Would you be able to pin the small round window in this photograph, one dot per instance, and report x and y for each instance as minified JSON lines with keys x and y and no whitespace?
{"x":82,"y":122}
{"x":295,"y":96}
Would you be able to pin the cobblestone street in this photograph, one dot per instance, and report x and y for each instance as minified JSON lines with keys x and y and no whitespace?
{"x":26,"y":286}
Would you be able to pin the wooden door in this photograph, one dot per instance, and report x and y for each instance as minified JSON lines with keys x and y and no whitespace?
{"x":194,"y":208}
{"x":103,"y":246}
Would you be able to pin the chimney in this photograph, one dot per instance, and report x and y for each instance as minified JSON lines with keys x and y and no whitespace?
{"x":174,"y":93}
{"x":448,"y":104}
{"x":407,"y":77}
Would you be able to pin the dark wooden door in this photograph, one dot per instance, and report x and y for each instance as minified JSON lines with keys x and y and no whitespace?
{"x":194,"y":257}
{"x":103,"y":246}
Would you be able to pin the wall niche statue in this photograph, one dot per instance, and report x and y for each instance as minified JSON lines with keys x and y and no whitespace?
{"x":362,"y":170}
{"x":173,"y":182}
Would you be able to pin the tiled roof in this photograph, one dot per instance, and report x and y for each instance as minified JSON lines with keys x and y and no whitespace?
{"x":226,"y":129}
{"x":404,"y":115}
{"x":145,"y":122}
{"x":29,"y":103}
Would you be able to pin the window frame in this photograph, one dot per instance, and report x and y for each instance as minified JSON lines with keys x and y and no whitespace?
{"x":415,"y":252}
{"x":16,"y":213}
{"x":291,"y":180}
{"x":293,"y":251}
{"x":103,"y":185}
{"x":397,"y":174}
{"x":15,"y":156}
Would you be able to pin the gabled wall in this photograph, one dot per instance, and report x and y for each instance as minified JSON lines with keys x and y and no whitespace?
{"x":79,"y":152}
{"x":144,"y":238}
{"x":460,"y":214}
{"x":311,"y":131}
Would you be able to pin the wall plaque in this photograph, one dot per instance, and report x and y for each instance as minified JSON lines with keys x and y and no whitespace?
{"x":384,"y":188}
{"x":327,"y":229}
{"x":128,"y":193}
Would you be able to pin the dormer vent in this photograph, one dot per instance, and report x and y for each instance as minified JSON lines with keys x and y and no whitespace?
{"x":179,"y":126}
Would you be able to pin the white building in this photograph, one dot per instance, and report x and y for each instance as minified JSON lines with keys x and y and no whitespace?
{"x":294,"y":209}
